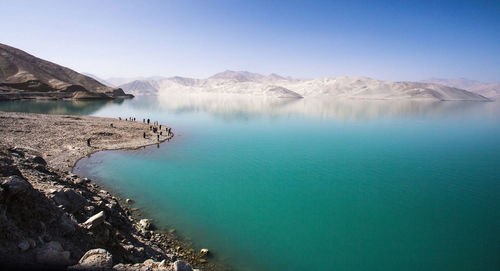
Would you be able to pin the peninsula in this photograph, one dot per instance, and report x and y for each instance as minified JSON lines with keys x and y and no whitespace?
{"x":51,"y":218}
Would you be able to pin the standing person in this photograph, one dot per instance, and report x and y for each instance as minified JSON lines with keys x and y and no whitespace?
{"x":148,"y":121}
{"x":88,"y":142}
{"x":158,"y":137}
{"x":144,"y":135}
{"x":160,"y":126}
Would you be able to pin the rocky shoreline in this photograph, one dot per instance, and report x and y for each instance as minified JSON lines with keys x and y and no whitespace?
{"x":53,"y":219}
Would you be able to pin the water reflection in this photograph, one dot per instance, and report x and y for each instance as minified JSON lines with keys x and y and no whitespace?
{"x":63,"y":107}
{"x":240,"y":107}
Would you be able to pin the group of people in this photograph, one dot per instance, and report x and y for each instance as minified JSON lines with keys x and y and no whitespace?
{"x":154,"y":126}
{"x":129,"y":118}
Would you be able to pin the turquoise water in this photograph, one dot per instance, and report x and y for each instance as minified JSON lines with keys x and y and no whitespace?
{"x":309,"y":185}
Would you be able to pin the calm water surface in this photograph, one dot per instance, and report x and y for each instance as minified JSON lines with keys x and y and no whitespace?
{"x":309,"y":185}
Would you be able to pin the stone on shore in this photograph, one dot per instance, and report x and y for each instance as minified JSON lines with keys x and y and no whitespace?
{"x":95,"y":220}
{"x":23,"y":245}
{"x":145,"y":224}
{"x":204,"y":251}
{"x":70,"y":200}
{"x":182,"y":266}
{"x":15,"y":185}
{"x":68,"y":224}
{"x":94,"y":259}
{"x":52,"y":253}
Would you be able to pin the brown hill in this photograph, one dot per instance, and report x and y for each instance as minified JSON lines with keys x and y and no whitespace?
{"x":25,"y":76}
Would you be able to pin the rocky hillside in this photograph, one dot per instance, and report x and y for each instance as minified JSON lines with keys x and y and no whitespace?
{"x":25,"y":76}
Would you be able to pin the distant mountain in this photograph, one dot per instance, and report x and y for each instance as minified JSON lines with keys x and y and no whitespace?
{"x":141,"y":87}
{"x":25,"y":76}
{"x":368,"y":88}
{"x":489,"y":90}
{"x":240,"y":76}
{"x":117,"y":81}
{"x":242,"y":82}
{"x":98,"y":79}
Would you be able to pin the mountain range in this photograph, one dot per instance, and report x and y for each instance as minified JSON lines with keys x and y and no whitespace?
{"x":25,"y":76}
{"x":273,"y":85}
{"x":489,"y":90}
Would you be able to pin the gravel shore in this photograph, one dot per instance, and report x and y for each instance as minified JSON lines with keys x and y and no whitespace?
{"x":53,"y":219}
{"x":62,"y":139}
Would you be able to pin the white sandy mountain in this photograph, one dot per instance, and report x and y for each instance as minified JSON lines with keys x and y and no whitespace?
{"x":489,"y":90}
{"x":241,"y":82}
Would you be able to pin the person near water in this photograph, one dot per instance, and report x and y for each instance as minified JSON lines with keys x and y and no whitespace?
{"x":88,"y":142}
{"x":148,"y":121}
{"x":144,"y":135}
{"x":158,"y":137}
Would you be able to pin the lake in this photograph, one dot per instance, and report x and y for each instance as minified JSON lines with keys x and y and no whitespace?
{"x":276,"y":184}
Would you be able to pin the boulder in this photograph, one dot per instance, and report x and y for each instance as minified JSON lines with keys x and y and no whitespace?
{"x":15,"y":185}
{"x":94,"y":259}
{"x":68,"y":224}
{"x":182,"y":266}
{"x":52,"y":253}
{"x":145,"y":223}
{"x":95,"y":220}
{"x":38,"y":160}
{"x":23,"y":245}
{"x":70,"y":200}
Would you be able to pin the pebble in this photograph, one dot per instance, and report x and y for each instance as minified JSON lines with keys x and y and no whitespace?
{"x":23,"y":245}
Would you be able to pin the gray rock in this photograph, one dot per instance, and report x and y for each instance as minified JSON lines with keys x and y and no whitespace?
{"x":52,"y":253}
{"x":95,"y":220}
{"x":68,"y":224}
{"x":15,"y":185}
{"x":70,"y":200}
{"x":39,"y":160}
{"x":94,"y":259}
{"x":23,"y":245}
{"x":182,"y":266}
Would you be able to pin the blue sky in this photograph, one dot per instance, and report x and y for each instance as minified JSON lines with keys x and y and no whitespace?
{"x":390,"y":40}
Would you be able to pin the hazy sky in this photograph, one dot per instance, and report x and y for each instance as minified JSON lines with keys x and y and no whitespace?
{"x":391,"y":40}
